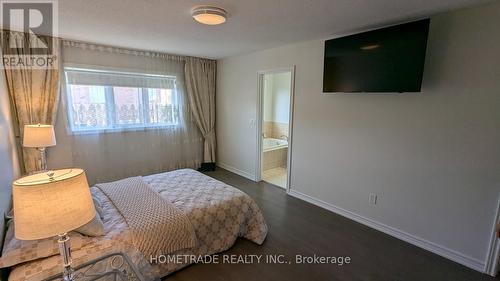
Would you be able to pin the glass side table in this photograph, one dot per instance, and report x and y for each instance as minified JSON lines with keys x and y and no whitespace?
{"x":115,"y":267}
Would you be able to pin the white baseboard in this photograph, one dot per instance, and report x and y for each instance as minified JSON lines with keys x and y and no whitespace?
{"x":236,"y":171}
{"x":407,"y":237}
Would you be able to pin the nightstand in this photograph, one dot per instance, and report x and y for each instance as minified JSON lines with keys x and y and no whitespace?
{"x":116,"y":267}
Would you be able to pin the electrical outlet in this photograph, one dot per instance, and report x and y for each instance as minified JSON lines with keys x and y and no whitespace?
{"x":373,"y":199}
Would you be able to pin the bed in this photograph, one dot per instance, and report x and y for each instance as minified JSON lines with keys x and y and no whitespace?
{"x":218,"y":213}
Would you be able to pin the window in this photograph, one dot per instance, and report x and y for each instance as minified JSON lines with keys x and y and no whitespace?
{"x":103,"y":100}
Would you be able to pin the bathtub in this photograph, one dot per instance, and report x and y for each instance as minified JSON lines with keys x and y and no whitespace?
{"x":270,"y":144}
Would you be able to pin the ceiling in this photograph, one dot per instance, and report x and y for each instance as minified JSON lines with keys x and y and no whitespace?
{"x":166,"y":25}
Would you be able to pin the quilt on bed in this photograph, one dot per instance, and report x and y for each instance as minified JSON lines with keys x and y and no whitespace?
{"x":157,"y":226}
{"x":218,"y":212}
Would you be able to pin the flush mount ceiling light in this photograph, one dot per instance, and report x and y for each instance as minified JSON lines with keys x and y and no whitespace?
{"x":209,"y":15}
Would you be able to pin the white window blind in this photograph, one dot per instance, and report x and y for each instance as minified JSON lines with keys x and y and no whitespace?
{"x":102,"y":100}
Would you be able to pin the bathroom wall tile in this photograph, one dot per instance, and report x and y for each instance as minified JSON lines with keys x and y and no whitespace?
{"x":267,"y":129}
{"x":279,"y":129}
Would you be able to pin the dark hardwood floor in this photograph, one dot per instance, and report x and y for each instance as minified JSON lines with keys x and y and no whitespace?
{"x":299,"y":228}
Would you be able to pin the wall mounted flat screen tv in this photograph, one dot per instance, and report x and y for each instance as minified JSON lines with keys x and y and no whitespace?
{"x":384,"y":60}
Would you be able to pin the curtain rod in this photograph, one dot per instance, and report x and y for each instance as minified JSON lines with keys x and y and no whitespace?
{"x":118,"y":50}
{"x":114,"y":49}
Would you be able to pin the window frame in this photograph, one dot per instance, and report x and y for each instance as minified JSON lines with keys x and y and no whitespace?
{"x":111,"y":115}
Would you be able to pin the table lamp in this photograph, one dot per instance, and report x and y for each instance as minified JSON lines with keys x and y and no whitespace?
{"x":40,"y":137}
{"x":52,"y":204}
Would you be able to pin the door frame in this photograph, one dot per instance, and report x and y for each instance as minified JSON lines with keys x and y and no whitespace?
{"x":493,"y":258}
{"x":260,"y":121}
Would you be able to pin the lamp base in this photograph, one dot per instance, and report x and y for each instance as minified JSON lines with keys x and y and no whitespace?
{"x":43,"y":159}
{"x":65,"y":251}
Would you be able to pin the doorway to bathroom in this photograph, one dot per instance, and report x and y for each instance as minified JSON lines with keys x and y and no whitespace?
{"x":274,"y":130}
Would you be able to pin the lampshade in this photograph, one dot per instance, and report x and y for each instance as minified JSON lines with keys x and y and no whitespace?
{"x":45,"y":207}
{"x":39,"y":136}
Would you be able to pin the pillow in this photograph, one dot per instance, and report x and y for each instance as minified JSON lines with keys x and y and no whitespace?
{"x":95,"y":227}
{"x":17,"y":251}
{"x":98,"y":206}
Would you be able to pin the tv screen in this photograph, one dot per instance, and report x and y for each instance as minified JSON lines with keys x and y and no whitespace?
{"x":384,"y":60}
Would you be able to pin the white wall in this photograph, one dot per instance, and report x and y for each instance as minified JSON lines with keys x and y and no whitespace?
{"x":9,"y":165}
{"x":281,"y":97}
{"x":432,"y":157}
{"x":268,"y":112}
{"x":277,"y":97}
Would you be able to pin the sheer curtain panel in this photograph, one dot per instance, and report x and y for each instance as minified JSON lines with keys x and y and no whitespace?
{"x":123,"y":113}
